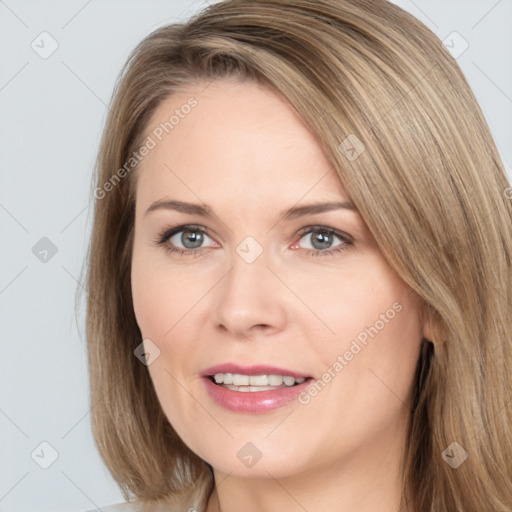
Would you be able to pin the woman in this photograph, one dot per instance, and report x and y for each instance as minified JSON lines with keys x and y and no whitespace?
{"x":299,"y":286}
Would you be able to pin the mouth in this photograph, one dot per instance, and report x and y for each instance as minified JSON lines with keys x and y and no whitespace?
{"x":254,"y":389}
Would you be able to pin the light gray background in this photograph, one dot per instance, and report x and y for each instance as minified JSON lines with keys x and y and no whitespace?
{"x":52,"y":113}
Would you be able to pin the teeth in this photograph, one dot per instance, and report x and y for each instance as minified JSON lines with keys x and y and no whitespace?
{"x":246,"y":389}
{"x":275,"y":380}
{"x":240,"y":380}
{"x":258,"y":380}
{"x":289,"y":381}
{"x":255,"y":382}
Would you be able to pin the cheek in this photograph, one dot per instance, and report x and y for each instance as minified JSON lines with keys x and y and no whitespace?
{"x":160,"y":298}
{"x":374,"y":368}
{"x":160,"y":304}
{"x":148,"y":305}
{"x":374,"y":351}
{"x":352,"y":300}
{"x":164,"y":309}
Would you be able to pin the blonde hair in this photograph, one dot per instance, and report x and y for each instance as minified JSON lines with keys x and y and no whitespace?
{"x":429,"y":184}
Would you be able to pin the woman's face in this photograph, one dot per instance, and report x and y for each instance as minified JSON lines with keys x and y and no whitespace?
{"x":305,"y":295}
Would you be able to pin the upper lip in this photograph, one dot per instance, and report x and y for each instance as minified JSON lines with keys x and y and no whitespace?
{"x":257,"y":369}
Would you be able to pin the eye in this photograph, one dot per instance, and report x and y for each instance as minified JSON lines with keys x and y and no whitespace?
{"x":184,"y":240}
{"x":323,"y":241}
{"x":188,"y":240}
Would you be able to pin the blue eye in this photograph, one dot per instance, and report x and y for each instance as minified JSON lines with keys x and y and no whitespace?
{"x":322,"y":240}
{"x":191,"y":238}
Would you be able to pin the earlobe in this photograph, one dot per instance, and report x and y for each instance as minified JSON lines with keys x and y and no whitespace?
{"x":431,"y":325}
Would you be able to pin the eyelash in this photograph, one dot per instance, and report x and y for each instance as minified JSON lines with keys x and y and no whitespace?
{"x":164,"y":235}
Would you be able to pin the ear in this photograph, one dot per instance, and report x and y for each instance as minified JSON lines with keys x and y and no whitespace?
{"x":431,"y":324}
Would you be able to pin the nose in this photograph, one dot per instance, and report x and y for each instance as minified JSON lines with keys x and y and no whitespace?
{"x":250,"y":300}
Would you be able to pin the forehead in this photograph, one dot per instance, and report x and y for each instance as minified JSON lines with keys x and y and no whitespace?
{"x":238,"y":137}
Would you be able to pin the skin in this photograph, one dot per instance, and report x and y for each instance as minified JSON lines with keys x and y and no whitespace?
{"x":243,"y":151}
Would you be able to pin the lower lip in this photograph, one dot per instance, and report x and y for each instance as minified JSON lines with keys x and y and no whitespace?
{"x":254,"y":401}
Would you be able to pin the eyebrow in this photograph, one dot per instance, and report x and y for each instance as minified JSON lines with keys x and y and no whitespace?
{"x":291,"y":213}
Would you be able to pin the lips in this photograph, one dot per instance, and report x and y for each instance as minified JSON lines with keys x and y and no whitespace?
{"x":248,"y":398}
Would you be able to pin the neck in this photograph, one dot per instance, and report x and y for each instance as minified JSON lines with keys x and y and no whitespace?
{"x":368,"y":480}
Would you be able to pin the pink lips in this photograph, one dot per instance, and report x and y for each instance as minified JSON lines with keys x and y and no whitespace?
{"x":252,"y":402}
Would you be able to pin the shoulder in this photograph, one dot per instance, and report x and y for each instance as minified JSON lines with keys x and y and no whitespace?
{"x":191,"y":499}
{"x":119,"y":507}
{"x":138,"y":506}
{"x":132,"y":506}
